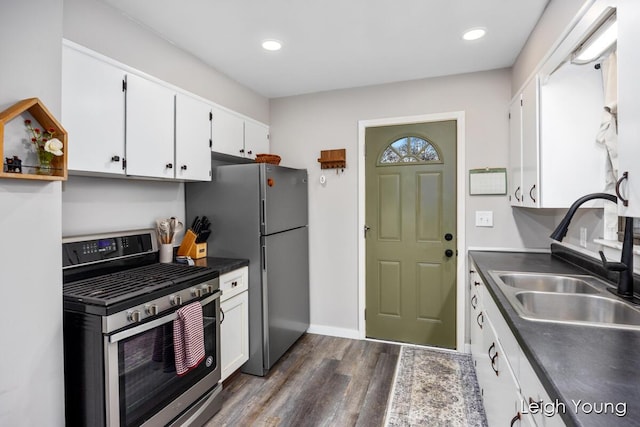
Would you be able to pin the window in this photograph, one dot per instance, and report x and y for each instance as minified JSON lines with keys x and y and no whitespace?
{"x":409,"y":149}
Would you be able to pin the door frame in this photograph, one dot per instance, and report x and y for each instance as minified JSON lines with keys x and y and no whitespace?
{"x":461,"y":262}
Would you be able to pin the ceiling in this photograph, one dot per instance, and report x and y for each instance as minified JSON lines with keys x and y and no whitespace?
{"x":336,"y":44}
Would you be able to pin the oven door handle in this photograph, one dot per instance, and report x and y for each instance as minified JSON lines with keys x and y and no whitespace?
{"x":157,"y":322}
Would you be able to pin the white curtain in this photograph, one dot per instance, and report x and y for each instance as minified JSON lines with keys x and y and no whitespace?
{"x":608,"y":136}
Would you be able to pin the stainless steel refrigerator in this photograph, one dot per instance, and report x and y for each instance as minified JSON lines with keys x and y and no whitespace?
{"x":260,"y":212}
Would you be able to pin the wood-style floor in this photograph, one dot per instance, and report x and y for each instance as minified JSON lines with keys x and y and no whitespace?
{"x":320,"y":381}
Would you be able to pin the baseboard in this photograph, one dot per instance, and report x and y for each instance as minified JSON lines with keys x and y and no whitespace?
{"x":334,"y":332}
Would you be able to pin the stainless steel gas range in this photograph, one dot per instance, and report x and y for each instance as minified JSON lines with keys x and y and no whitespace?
{"x":120,"y":305}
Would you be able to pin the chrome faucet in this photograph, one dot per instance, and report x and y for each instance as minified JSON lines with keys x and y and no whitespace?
{"x":625,"y":266}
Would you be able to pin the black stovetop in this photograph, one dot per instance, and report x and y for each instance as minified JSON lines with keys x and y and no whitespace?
{"x":119,"y":286}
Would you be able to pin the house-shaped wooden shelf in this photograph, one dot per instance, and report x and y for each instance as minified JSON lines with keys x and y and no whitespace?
{"x":46,"y":120}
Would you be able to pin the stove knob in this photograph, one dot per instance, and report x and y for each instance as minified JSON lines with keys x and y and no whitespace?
{"x":208,"y":289}
{"x":133,"y":316}
{"x":151,"y":309}
{"x":196,"y":292}
{"x":175,"y":300}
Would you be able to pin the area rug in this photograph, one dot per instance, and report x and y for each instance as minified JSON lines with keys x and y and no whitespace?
{"x":435,"y":388}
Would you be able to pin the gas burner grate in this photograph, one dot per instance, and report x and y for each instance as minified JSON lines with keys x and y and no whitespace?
{"x":122,"y":285}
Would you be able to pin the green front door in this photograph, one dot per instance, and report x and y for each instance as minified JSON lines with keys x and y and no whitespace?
{"x":411,"y":233}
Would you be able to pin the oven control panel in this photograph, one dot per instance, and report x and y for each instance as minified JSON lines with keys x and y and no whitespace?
{"x":100,"y":248}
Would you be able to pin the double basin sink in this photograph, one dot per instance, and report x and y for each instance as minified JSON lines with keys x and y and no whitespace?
{"x":560,"y":298}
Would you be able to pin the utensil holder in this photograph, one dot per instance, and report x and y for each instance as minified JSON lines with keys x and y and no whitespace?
{"x":165,"y":253}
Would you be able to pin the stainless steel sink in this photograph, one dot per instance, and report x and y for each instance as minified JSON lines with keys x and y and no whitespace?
{"x":560,"y":298}
{"x":578,"y":308}
{"x":548,"y":283}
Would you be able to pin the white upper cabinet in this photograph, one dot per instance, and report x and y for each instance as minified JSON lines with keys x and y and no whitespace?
{"x":256,"y":139}
{"x":628,"y":15}
{"x":227,"y":132}
{"x":149,"y":134}
{"x":234,"y":135}
{"x":193,"y":139}
{"x":530,"y":145}
{"x":93,"y":105}
{"x":515,"y":151}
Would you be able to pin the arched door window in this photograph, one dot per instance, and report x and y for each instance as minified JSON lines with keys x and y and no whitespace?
{"x":409,"y":149}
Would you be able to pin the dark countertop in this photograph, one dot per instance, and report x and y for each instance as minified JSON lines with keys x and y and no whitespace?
{"x":222,"y":265}
{"x":594,"y":365}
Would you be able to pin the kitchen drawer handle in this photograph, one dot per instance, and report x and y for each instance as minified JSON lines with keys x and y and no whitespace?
{"x":625,"y":202}
{"x":515,"y":194}
{"x":169,"y":165}
{"x":115,"y":158}
{"x":531,"y":193}
{"x":514,"y":419}
{"x":474,"y":301}
{"x":493,"y":358}
{"x":183,"y":167}
{"x":234,"y":284}
{"x":480,"y":319}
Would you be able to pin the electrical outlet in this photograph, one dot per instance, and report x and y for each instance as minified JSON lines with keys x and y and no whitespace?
{"x":484,"y":218}
{"x":583,"y":237}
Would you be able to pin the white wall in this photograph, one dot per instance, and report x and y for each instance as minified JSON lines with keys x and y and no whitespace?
{"x":98,"y":26}
{"x":31,"y":361}
{"x":552,"y":25}
{"x":304,"y":125}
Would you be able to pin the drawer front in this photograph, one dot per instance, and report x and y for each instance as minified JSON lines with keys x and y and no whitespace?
{"x":234,"y":282}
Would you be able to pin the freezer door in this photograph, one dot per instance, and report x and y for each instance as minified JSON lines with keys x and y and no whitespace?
{"x":284,"y":198}
{"x":285,"y":269}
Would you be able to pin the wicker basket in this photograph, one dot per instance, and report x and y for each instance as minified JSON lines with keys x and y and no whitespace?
{"x":268,"y":158}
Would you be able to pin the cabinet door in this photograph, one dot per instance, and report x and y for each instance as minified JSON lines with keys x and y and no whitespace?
{"x":93,"y":113}
{"x":234,"y":333}
{"x":530,"y":170}
{"x":193,"y":135}
{"x":256,"y":139}
{"x":628,"y":16}
{"x":227,"y":132}
{"x":150,"y":129}
{"x":515,"y":152}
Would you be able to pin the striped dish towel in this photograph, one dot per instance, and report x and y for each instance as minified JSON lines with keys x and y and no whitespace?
{"x":188,"y":338}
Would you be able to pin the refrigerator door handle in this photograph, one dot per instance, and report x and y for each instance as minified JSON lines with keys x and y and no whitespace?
{"x":263,"y":216}
{"x":264,"y":258}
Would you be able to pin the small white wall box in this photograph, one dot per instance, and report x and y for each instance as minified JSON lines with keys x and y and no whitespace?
{"x":487,"y":181}
{"x":484,"y":218}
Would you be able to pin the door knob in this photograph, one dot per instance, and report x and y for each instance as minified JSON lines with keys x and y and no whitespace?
{"x":448,"y":253}
{"x":448,"y":237}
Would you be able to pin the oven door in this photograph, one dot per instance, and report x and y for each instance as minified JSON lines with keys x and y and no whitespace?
{"x":141,"y":381}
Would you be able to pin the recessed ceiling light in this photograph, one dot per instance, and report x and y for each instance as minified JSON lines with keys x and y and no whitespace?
{"x":474,"y":34}
{"x":271,"y":45}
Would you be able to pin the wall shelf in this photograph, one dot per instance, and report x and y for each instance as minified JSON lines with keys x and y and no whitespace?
{"x":46,"y":120}
{"x":333,"y":159}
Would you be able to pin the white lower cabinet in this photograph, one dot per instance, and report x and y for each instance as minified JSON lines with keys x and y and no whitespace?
{"x":512,"y":394}
{"x":234,"y":329}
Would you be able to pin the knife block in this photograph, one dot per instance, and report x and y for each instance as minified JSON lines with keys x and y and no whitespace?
{"x":190,"y":248}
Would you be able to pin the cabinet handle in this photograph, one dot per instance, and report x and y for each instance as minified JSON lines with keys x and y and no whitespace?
{"x":221,"y":315}
{"x":476,"y":283}
{"x":474,"y":301}
{"x":242,"y":150}
{"x":514,"y":419}
{"x":531,"y":193}
{"x":493,"y":358}
{"x":169,"y":165}
{"x":625,"y":202}
{"x":234,"y":284}
{"x":115,"y":159}
{"x":183,"y":167}
{"x":480,"y":320}
{"x":249,"y":152}
{"x":515,"y":194}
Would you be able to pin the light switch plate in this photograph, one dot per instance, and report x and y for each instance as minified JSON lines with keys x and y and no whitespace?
{"x":484,"y":218}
